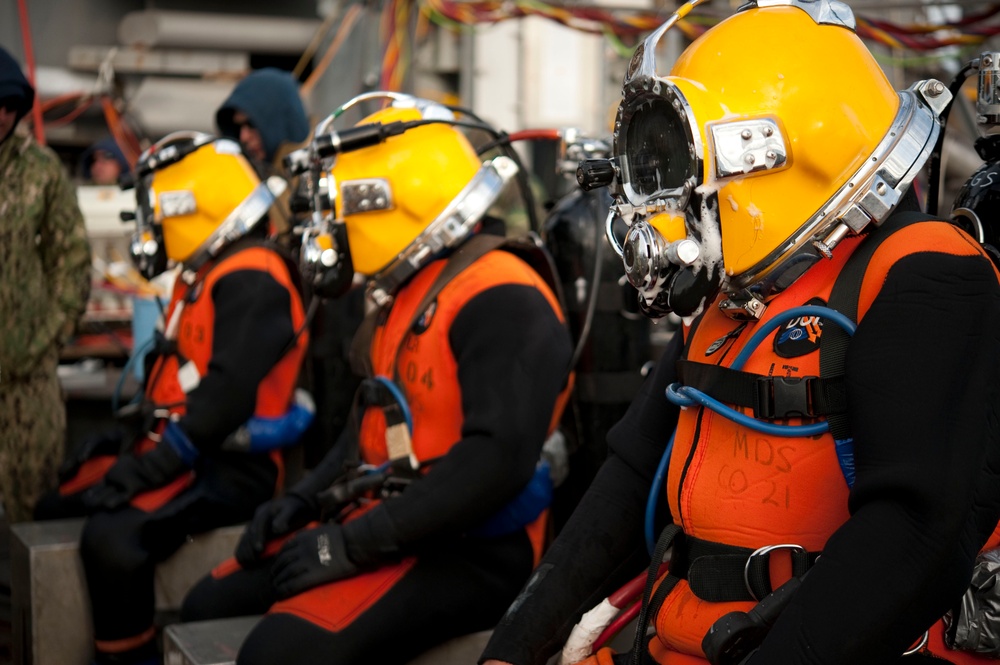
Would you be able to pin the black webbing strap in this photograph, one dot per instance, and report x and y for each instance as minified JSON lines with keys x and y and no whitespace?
{"x":663,"y":543}
{"x":462,"y":258}
{"x":360,"y":354}
{"x":844,"y":298}
{"x":770,"y":397}
{"x":724,"y":573}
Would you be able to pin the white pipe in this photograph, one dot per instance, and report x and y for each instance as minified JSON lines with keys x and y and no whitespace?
{"x":162,"y":105}
{"x":55,"y":81}
{"x":176,"y":29}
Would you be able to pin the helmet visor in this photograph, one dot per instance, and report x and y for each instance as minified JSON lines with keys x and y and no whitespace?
{"x":656,"y":150}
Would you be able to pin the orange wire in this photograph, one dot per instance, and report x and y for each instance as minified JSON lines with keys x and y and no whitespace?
{"x":123,"y":136}
{"x":71,"y":116}
{"x":29,"y":58}
{"x":53,"y":102}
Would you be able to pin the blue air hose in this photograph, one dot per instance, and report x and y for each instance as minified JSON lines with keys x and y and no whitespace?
{"x":684,"y":396}
{"x":400,"y":398}
{"x":129,"y":364}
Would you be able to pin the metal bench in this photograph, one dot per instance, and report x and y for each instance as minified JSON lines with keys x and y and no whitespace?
{"x":217,"y":642}
{"x":49,"y":601}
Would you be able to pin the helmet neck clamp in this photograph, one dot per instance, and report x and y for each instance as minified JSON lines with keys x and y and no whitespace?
{"x":868,"y":197}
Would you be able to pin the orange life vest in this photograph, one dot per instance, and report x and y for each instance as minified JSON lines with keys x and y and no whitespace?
{"x":423,"y":363}
{"x":176,"y":374}
{"x":170,"y":375}
{"x":731,"y":485}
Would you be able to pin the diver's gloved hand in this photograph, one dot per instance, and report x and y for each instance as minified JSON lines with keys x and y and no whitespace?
{"x":273,"y":519}
{"x":311,"y":558}
{"x":108,"y":442}
{"x":133,"y":474}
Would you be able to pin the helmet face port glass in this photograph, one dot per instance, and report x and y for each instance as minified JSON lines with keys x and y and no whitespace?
{"x":657,"y":159}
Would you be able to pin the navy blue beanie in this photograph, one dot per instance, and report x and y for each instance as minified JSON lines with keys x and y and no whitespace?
{"x":13,"y":84}
{"x":270,"y":99}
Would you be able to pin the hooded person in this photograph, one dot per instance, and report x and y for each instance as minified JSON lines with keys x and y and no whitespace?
{"x":265,"y":114}
{"x":103,"y":163}
{"x":44,"y":284}
{"x":16,"y":94}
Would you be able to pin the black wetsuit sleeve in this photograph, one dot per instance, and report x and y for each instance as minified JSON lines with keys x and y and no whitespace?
{"x":601,"y":546}
{"x":252,"y":329}
{"x":334,"y":464}
{"x":512,"y":355}
{"x":922,"y":388}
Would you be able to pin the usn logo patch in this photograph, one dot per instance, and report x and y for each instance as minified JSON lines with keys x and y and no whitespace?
{"x":800,"y":335}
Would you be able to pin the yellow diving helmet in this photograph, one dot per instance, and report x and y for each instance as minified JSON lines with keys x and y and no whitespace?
{"x":196,"y":194}
{"x":405,"y":184}
{"x":740,"y":169}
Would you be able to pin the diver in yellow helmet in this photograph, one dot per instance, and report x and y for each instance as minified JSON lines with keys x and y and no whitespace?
{"x":819,"y":506}
{"x":224,"y":368}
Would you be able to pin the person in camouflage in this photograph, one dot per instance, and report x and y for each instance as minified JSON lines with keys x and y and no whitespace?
{"x":44,"y":284}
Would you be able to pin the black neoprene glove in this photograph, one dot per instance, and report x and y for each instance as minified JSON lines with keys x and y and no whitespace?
{"x":133,"y":474}
{"x":273,"y":519}
{"x":107,"y":442}
{"x":311,"y":558}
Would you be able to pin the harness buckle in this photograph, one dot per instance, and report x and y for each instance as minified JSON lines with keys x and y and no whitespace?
{"x":780,"y":397}
{"x":766,"y":553}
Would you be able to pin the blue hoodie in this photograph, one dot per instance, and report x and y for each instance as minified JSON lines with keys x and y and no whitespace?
{"x":270,"y":99}
{"x":14,"y":85}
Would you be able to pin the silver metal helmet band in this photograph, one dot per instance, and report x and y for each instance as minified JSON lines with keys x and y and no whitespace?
{"x":823,"y":12}
{"x":450,"y":227}
{"x":867,"y":197}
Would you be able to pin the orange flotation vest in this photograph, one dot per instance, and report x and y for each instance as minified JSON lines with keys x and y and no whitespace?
{"x":418,"y":360}
{"x":171,"y":377}
{"x":176,"y":374}
{"x":423,"y":364}
{"x":732,"y":486}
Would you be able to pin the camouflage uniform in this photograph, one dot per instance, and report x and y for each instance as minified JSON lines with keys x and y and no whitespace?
{"x":44,"y":284}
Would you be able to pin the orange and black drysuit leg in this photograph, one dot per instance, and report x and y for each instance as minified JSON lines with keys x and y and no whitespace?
{"x":120,"y":549}
{"x":386,"y":615}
